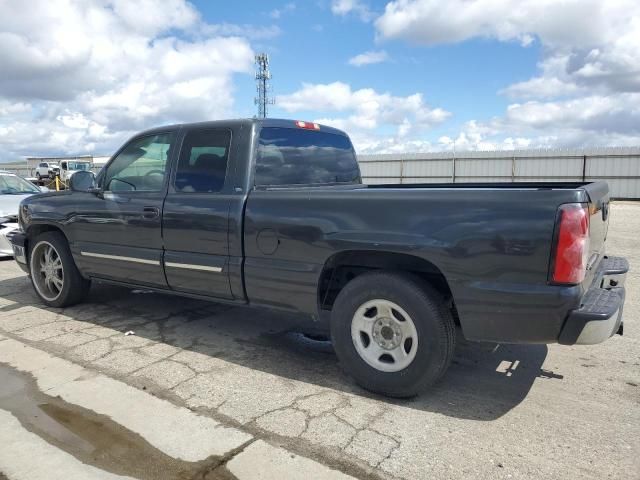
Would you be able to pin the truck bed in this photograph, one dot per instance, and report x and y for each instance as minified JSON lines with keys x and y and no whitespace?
{"x":491,"y":241}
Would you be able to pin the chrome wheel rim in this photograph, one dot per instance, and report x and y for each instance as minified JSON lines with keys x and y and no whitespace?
{"x":47,"y":271}
{"x":384,"y":335}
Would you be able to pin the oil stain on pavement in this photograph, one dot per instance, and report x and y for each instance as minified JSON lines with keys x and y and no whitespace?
{"x":91,"y":438}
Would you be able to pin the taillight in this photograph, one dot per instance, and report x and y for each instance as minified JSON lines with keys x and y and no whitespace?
{"x":572,"y":244}
{"x":307,"y":125}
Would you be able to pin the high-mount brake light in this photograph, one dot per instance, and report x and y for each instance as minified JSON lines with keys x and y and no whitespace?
{"x":572,"y":245}
{"x":307,"y":125}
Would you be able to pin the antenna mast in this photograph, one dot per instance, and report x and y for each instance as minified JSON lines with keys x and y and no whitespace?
{"x":263,"y":85}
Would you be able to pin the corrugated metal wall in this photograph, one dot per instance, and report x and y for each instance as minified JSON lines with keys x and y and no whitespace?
{"x":620,"y":167}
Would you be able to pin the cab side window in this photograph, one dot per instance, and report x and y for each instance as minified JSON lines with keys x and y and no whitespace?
{"x":141,"y":166}
{"x":202,"y":166}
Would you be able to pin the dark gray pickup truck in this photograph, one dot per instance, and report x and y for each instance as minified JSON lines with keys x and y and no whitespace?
{"x":273,"y":213}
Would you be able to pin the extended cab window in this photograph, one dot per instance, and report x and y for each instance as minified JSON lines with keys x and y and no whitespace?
{"x":203,"y":161}
{"x":293,"y":156}
{"x":141,"y":166}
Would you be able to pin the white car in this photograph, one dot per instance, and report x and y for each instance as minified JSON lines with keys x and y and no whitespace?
{"x":47,"y":170}
{"x":12,"y":190}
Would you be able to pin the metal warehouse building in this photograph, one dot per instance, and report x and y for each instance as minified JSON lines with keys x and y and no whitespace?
{"x":619,"y":166}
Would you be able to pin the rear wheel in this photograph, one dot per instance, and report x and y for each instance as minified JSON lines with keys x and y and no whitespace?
{"x":392,"y":333}
{"x":54,"y":274}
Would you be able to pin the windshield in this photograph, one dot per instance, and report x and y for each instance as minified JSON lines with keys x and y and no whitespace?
{"x":78,"y":166}
{"x":11,"y":184}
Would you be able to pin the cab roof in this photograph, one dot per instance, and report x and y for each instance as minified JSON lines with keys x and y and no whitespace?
{"x":246,"y":122}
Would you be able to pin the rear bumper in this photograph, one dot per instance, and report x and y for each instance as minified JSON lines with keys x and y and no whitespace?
{"x":600,"y":313}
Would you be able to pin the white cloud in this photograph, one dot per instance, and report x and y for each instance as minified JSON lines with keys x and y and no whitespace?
{"x":79,"y":75}
{"x":558,"y":24}
{"x":591,"y":43}
{"x":541,"y":87}
{"x":369,"y":108}
{"x":554,"y":81}
{"x":368,"y":58}
{"x":12,"y":108}
{"x":145,"y":16}
{"x":595,"y":120}
{"x":588,"y":86}
{"x":476,"y":136}
{"x":276,"y":13}
{"x":596,"y":114}
{"x":370,"y":117}
{"x":348,"y":7}
{"x":245,"y":30}
{"x":367,"y":143}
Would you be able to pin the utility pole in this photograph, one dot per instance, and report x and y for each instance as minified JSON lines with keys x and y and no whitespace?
{"x":263,"y":85}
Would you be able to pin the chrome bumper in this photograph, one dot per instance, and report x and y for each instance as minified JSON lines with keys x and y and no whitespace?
{"x":600,"y":314}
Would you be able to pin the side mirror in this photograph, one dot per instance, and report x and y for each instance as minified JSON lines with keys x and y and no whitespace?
{"x":83,"y":181}
{"x":44,"y":189}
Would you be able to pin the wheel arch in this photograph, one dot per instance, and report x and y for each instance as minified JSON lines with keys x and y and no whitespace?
{"x":342,"y":267}
{"x":35,"y":229}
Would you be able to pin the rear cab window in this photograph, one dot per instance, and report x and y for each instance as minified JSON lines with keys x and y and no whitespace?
{"x":296,"y":156}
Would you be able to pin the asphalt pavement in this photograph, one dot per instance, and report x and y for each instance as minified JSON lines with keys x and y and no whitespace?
{"x":213,"y":391}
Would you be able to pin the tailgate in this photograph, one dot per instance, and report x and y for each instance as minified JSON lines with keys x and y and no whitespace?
{"x":598,"y":193}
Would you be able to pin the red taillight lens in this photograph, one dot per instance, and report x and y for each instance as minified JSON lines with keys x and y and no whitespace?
{"x":572,"y":247}
{"x":307,"y":125}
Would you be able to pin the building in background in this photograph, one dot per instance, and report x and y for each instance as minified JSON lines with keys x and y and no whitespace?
{"x":618,"y":166}
{"x":27,"y":168}
{"x":33,"y":162}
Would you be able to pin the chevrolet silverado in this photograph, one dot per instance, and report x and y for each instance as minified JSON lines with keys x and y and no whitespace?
{"x":273,"y":213}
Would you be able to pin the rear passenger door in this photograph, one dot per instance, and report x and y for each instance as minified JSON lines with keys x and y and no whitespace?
{"x":196,"y":215}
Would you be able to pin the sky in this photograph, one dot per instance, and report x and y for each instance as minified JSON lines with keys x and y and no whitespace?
{"x":81,"y":77}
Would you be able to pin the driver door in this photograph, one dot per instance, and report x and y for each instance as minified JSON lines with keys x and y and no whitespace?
{"x":117,"y":234}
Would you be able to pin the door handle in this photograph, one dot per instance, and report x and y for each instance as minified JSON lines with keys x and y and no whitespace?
{"x":150,"y":212}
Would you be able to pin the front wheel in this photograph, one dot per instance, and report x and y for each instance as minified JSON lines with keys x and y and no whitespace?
{"x":392,"y":333}
{"x":54,"y":274}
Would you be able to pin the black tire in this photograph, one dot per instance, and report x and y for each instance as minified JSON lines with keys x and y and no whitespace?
{"x":38,"y":177}
{"x":427,"y":310}
{"x":74,"y":286}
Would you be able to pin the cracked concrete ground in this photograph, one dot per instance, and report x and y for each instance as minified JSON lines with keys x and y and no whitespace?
{"x":514,"y":411}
